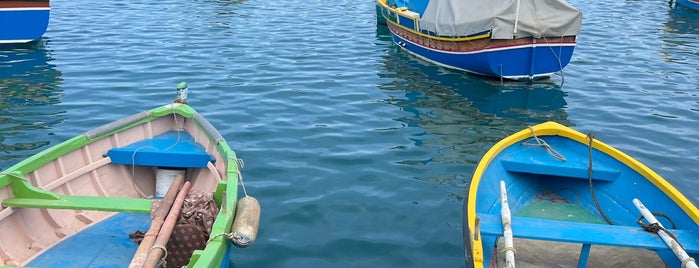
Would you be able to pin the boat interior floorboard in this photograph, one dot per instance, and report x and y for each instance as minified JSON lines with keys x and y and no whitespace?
{"x":106,"y":244}
{"x":548,"y":254}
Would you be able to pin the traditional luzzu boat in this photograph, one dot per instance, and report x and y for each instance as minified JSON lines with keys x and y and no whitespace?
{"x":518,"y":40}
{"x":693,"y":4}
{"x":158,"y":186}
{"x":23,"y":21}
{"x":549,"y":193}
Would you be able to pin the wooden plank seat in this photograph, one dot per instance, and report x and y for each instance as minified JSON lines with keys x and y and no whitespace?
{"x":176,"y":149}
{"x":101,"y":203}
{"x":585,"y":233}
{"x":29,"y":196}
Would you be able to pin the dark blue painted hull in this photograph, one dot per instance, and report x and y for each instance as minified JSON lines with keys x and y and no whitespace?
{"x":20,"y":23}
{"x":526,"y":61}
{"x":693,"y":4}
{"x":518,"y":59}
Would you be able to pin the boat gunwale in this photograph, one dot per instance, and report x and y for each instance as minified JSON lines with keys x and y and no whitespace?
{"x":383,"y":5}
{"x":491,"y":48}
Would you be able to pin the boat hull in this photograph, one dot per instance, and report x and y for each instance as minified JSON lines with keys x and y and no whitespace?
{"x":515,"y":59}
{"x":91,"y":187}
{"x":693,"y":4}
{"x":552,"y":200}
{"x":23,"y":21}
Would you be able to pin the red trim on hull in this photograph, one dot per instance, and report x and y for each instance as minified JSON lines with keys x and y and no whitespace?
{"x":23,"y":4}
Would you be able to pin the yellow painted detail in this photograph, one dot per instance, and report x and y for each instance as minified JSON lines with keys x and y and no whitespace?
{"x":383,"y":5}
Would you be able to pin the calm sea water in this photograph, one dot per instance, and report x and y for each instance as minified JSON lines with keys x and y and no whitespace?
{"x":358,"y":153}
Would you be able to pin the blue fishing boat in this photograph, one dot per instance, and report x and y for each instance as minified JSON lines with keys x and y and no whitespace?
{"x":23,"y":21}
{"x":567,"y":191}
{"x":519,"y":40}
{"x":693,"y":4}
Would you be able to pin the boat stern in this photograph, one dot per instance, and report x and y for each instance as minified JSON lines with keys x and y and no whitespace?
{"x":23,"y":21}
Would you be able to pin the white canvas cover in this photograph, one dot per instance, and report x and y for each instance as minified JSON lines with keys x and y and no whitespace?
{"x":536,"y":18}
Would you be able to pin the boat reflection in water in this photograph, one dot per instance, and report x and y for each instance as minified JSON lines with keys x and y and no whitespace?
{"x":467,"y":98}
{"x":455,"y":117}
{"x":30,"y":88}
{"x":678,"y":48}
{"x":682,"y":21}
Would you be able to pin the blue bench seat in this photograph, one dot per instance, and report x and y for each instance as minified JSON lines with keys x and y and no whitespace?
{"x":586,"y":233}
{"x":551,"y":166}
{"x":171,"y":149}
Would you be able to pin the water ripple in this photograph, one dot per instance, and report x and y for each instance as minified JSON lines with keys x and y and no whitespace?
{"x":358,"y":153}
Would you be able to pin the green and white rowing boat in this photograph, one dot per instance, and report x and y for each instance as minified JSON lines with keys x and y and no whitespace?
{"x":88,"y":201}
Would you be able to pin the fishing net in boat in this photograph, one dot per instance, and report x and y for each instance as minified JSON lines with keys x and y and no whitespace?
{"x":192,"y":229}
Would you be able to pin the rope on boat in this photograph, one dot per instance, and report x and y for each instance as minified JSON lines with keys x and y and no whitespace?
{"x":655,"y":227}
{"x":558,"y":59}
{"x":176,"y":127}
{"x":246,"y":222}
{"x":240,"y":165}
{"x":243,"y":232}
{"x":542,"y":143}
{"x":163,"y":261}
{"x":133,"y":171}
{"x":591,"y":137}
{"x":552,"y":197}
{"x":133,"y":156}
{"x":667,"y":237}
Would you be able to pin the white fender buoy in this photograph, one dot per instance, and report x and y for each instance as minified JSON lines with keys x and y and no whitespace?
{"x":246,"y":223}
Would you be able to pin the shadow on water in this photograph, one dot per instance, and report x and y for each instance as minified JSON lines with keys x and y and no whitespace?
{"x":29,"y":91}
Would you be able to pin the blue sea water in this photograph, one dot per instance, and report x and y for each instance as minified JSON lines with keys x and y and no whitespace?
{"x":358,"y":152}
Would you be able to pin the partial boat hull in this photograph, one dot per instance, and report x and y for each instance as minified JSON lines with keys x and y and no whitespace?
{"x":693,"y":4}
{"x":556,"y":196}
{"x":23,"y":21}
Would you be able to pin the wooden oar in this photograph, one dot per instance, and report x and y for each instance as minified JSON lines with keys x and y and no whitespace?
{"x":507,"y":227}
{"x":156,"y":252}
{"x":671,"y":242}
{"x":158,"y":219}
